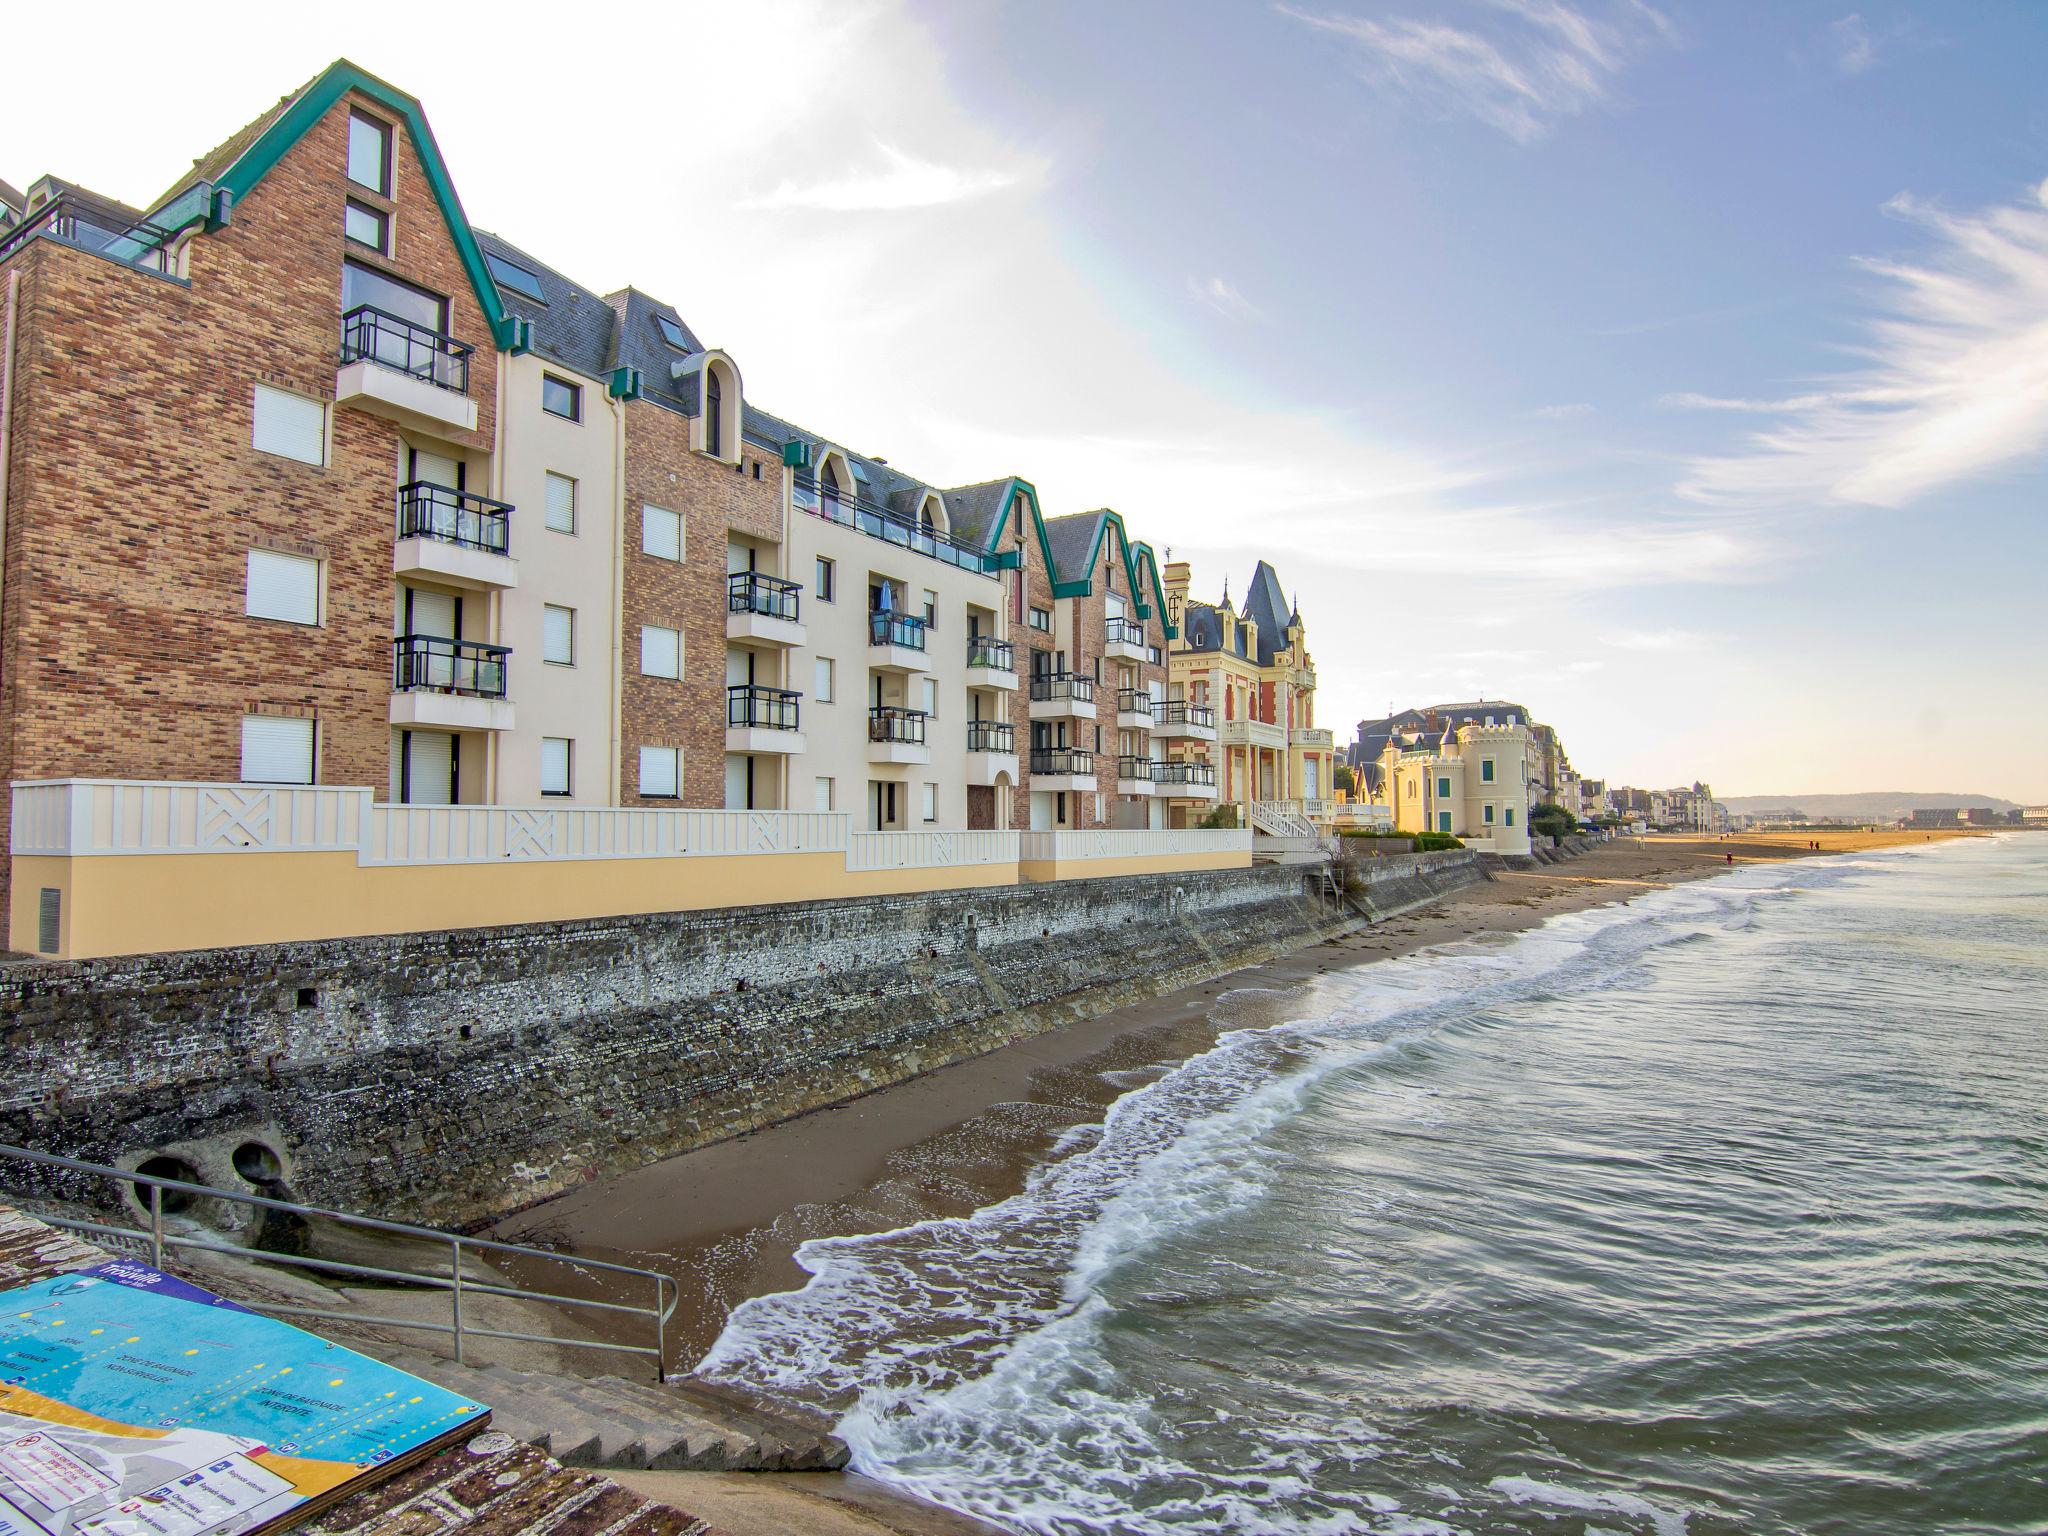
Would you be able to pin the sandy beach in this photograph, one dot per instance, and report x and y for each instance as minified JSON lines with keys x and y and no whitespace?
{"x":727,"y":1218}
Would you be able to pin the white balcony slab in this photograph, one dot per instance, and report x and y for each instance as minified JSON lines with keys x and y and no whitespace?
{"x":763,"y":629}
{"x":402,"y":398}
{"x":1134,"y":720}
{"x":992,"y":677}
{"x":1144,"y":788}
{"x":1124,"y":650}
{"x":454,"y":565}
{"x":1063,"y":709}
{"x":450,"y":712}
{"x":898,"y":658}
{"x":1065,"y":783}
{"x":761,"y":740}
{"x":987,"y":768}
{"x":1182,"y":730}
{"x":899,"y":752}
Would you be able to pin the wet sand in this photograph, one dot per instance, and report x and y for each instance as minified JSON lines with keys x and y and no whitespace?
{"x":726,"y":1219}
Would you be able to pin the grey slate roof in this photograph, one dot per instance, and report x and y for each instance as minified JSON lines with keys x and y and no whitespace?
{"x":1373,"y":735}
{"x":1266,"y":605}
{"x":975,"y":508}
{"x":1201,"y":627}
{"x":1072,"y":540}
{"x":574,"y":327}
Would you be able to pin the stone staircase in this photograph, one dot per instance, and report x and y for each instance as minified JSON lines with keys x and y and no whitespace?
{"x":1277,"y":819}
{"x":609,"y":1422}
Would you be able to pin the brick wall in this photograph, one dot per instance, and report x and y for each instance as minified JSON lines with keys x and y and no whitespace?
{"x":134,"y":494}
{"x":714,"y":500}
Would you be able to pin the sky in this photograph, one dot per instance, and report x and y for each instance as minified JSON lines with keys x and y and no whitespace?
{"x":1677,"y":370}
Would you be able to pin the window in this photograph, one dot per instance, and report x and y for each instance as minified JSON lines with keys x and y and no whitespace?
{"x":366,"y":285}
{"x":558,"y":397}
{"x":561,"y":503}
{"x":1486,"y":770}
{"x":509,"y":274}
{"x":660,"y":772}
{"x":1041,"y":618}
{"x":757,"y":469}
{"x":821,"y":685}
{"x":931,"y":802}
{"x":821,"y":795}
{"x":290,"y":426}
{"x":1443,"y":821}
{"x":824,"y":580}
{"x":369,"y":153}
{"x":556,"y":755}
{"x":661,"y":533}
{"x":1489,"y":816}
{"x":931,"y":696}
{"x":672,"y":333}
{"x":714,"y":414}
{"x":1508,"y":815}
{"x":558,"y":635}
{"x":366,"y":225}
{"x":1443,"y":789}
{"x":276,"y":750}
{"x":931,"y":608}
{"x":661,"y":652}
{"x":283,"y":587}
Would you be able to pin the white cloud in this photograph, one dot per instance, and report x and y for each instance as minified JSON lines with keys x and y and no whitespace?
{"x":1854,"y":48}
{"x":1658,"y":640}
{"x":1576,"y":410}
{"x":1954,"y":383}
{"x":894,"y":180}
{"x":1552,"y":60}
{"x":1223,"y":297}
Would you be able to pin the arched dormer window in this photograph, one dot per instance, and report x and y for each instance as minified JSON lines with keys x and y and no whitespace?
{"x":836,"y":486}
{"x":931,"y":513}
{"x":720,"y":420}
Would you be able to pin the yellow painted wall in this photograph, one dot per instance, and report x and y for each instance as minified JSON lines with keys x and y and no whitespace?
{"x":121,"y":905}
{"x":1031,"y":871}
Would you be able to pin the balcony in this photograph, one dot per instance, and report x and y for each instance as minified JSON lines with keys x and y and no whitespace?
{"x":1134,"y":775}
{"x":454,"y":538}
{"x":893,"y":528}
{"x":1311,"y":736}
{"x":1133,"y":710}
{"x":1254,"y":733}
{"x":1178,"y":720}
{"x":1062,"y":696}
{"x":1125,"y":639}
{"x":896,"y":735}
{"x":762,"y":610}
{"x":896,"y":643}
{"x":1063,"y":769}
{"x":991,"y":663}
{"x":991,"y":751}
{"x":1185,"y":780}
{"x":393,"y":368}
{"x":449,"y":685}
{"x":761,"y":719}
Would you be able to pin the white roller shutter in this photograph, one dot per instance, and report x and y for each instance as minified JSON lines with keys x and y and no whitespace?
{"x":561,"y":503}
{"x":658,"y":771}
{"x":436,"y":469}
{"x":430,"y":768}
{"x":554,"y":765}
{"x":661,"y":533}
{"x":660,"y":652}
{"x":276,"y":749}
{"x":290,"y":426}
{"x":735,"y":783}
{"x":283,"y":587}
{"x":432,"y":613}
{"x":558,"y":635}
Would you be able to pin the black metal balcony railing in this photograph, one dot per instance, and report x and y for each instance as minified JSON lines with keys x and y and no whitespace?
{"x":1177,"y":712}
{"x":1184,"y":773}
{"x":888,"y":722}
{"x":1063,"y":685}
{"x":440,"y":512}
{"x":768,"y":709}
{"x":434,"y":664}
{"x":1125,"y":631}
{"x":373,"y":335}
{"x":769,"y":596}
{"x":991,"y":736}
{"x":87,"y":227}
{"x":1133,"y":701}
{"x":893,"y":528}
{"x":987,"y":651}
{"x":1135,"y":768}
{"x":1062,"y":760}
{"x":904,"y":629}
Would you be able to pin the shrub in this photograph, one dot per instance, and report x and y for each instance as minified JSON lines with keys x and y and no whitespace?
{"x":1436,"y":842}
{"x":1223,"y":818}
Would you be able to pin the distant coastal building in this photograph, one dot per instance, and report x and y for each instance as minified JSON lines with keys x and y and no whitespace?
{"x":1472,"y":779}
{"x":1250,"y":675}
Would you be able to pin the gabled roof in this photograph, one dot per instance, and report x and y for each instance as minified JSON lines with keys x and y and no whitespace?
{"x":979,"y":511}
{"x":1071,"y":542}
{"x":1266,"y":605}
{"x":239,"y":165}
{"x":571,"y":326}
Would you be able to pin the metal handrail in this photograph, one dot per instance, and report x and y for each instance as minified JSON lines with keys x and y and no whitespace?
{"x":751,"y":704}
{"x":1139,"y":768}
{"x":987,"y":651}
{"x":1133,"y":701}
{"x":430,"y":511}
{"x":886,"y":627}
{"x":893,"y":723}
{"x":1062,"y":685}
{"x":756,"y":592}
{"x":370,"y":334}
{"x":1123,"y":631}
{"x":667,"y":1293}
{"x":1180,"y":712}
{"x":991,"y":736}
{"x":439,"y":664}
{"x":1061,"y":760}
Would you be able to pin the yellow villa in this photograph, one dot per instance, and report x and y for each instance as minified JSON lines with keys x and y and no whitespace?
{"x":1242,"y":686}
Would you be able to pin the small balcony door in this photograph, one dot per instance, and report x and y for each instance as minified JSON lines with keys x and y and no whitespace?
{"x":428,"y":765}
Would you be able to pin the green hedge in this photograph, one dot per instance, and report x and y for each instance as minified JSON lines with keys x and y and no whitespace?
{"x":1436,"y":842}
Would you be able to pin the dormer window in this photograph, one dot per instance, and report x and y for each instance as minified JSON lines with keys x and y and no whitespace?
{"x":369,"y":153}
{"x":718,"y":421}
{"x":671,"y":333}
{"x":714,"y":411}
{"x":515,"y":278}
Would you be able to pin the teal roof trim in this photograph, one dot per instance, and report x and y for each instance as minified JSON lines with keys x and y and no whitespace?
{"x":1024,"y":489}
{"x":314,"y":103}
{"x":1132,"y":566}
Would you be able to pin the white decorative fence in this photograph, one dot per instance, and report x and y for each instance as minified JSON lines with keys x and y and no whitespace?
{"x":869,"y":851}
{"x":61,"y":817}
{"x":488,"y":834}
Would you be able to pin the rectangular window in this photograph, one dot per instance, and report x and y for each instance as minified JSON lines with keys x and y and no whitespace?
{"x":283,"y":587}
{"x":931,"y":607}
{"x":366,"y":226}
{"x":558,"y":397}
{"x":1443,"y":789}
{"x":672,"y":333}
{"x":931,"y":802}
{"x":660,"y":772}
{"x":276,"y":750}
{"x":1509,"y":815}
{"x":369,"y":153}
{"x":290,"y":426}
{"x":661,"y":533}
{"x":558,"y":635}
{"x":825,"y":574}
{"x":1041,"y":618}
{"x":1443,"y":821}
{"x":821,"y":795}
{"x":556,"y":755}
{"x":1486,"y":770}
{"x":509,"y":274}
{"x":1489,"y":816}
{"x":821,"y":685}
{"x":561,"y":503}
{"x":408,"y":301}
{"x":931,"y":696}
{"x":661,"y":652}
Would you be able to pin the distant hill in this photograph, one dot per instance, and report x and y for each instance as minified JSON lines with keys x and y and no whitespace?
{"x":1876,"y":805}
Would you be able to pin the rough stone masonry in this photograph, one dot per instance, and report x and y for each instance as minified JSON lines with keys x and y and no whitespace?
{"x":452,"y":1077}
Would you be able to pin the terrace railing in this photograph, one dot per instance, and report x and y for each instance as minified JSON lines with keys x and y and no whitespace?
{"x":770,"y":596}
{"x":888,"y":723}
{"x":434,"y":664}
{"x":991,"y":736}
{"x":904,"y":629}
{"x":391,"y":341}
{"x":987,"y":651}
{"x":769,"y":709}
{"x":430,"y":511}
{"x":1062,"y":685}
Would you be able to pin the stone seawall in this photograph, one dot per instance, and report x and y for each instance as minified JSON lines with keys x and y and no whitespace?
{"x":1380,"y":885}
{"x":452,"y":1077}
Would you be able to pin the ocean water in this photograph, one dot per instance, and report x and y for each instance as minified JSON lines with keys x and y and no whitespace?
{"x":1723,"y":1211}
